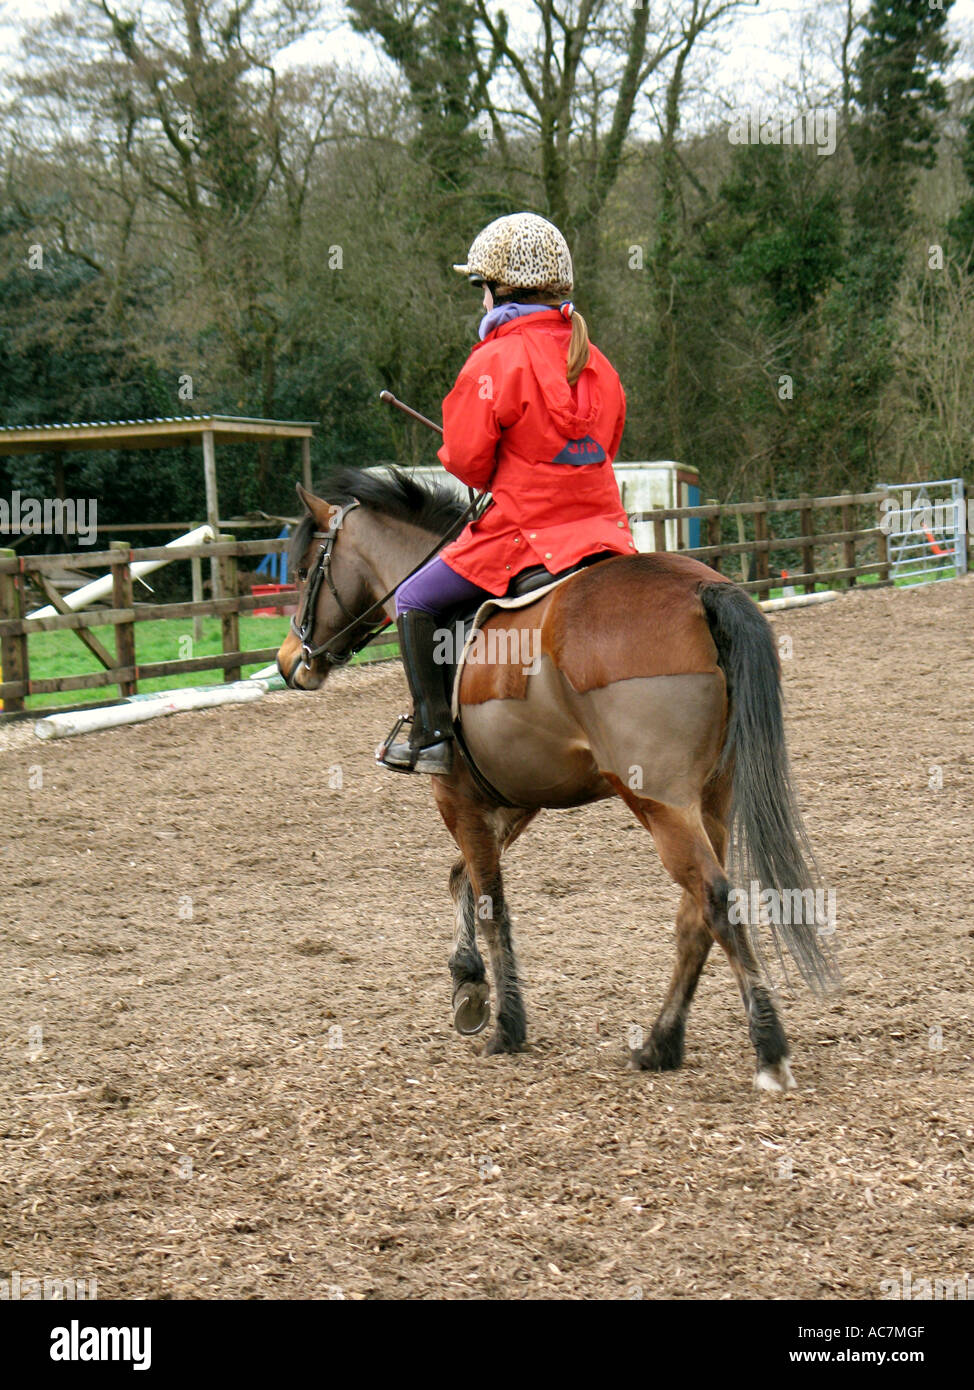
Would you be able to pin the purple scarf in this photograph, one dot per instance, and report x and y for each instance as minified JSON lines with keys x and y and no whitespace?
{"x":501,"y":313}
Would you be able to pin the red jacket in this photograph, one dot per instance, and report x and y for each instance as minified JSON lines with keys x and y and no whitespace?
{"x":543,"y":448}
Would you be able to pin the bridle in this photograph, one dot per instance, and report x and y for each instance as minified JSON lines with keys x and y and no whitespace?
{"x":320,"y":573}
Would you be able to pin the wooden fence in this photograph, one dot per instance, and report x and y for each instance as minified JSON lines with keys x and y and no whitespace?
{"x":849,"y":541}
{"x":122,"y":669}
{"x":746,"y":558}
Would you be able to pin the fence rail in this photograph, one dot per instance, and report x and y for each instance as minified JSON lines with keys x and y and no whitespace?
{"x":851,"y":551}
{"x":121,"y":668}
{"x":849,"y":543}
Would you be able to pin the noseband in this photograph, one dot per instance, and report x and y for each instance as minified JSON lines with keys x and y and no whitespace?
{"x":320,"y":573}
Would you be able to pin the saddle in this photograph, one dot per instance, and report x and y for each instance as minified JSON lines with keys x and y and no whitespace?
{"x":537,"y":577}
{"x":525,"y":588}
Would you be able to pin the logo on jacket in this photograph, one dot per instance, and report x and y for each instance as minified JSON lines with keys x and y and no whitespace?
{"x":579,"y":451}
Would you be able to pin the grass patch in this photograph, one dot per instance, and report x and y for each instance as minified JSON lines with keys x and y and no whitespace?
{"x":906,"y":580}
{"x":56,"y":654}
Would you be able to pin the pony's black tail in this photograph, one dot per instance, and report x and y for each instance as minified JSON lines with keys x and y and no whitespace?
{"x":769,"y":846}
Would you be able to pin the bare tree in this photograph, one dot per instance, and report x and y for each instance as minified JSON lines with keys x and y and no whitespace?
{"x":177,"y":114}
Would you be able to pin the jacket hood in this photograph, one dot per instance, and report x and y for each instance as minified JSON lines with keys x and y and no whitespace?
{"x":575,"y":410}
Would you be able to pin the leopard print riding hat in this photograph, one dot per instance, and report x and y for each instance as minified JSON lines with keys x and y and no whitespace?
{"x":521,"y":251}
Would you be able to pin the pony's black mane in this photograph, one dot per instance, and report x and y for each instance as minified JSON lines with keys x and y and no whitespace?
{"x":430,"y":506}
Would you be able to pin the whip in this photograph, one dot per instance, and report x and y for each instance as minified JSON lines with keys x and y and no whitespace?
{"x":390,"y":399}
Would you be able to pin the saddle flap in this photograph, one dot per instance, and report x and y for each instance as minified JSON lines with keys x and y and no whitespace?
{"x":541,"y":584}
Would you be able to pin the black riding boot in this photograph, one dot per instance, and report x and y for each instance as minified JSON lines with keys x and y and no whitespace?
{"x":430,"y":745}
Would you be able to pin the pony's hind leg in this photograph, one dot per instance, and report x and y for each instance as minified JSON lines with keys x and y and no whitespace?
{"x":663,"y":1050}
{"x":689,"y":857}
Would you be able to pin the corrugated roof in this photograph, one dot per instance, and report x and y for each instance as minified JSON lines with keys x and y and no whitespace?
{"x":154,"y":420}
{"x":153,"y":433}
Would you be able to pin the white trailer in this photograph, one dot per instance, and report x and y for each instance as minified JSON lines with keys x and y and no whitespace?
{"x":643,"y":486}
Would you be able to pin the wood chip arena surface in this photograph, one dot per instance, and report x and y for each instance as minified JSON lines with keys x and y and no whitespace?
{"x":246,"y":1083}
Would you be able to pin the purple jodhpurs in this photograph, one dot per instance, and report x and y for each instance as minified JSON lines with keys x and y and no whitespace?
{"x":435,"y":589}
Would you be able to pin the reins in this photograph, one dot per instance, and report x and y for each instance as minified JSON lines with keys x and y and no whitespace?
{"x":320,"y":572}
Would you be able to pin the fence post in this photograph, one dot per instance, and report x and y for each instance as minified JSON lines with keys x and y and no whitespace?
{"x":849,"y":547}
{"x":713,"y":534}
{"x":659,"y":531}
{"x":961,"y":541}
{"x":761,"y":556}
{"x":196,"y":570}
{"x":742,"y":540}
{"x":882,"y":552}
{"x":212,"y":504}
{"x":14,"y":661}
{"x":806,"y":523}
{"x":229,"y":622}
{"x":122,"y":597}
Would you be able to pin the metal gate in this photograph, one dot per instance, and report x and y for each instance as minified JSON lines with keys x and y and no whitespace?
{"x":926,"y":530}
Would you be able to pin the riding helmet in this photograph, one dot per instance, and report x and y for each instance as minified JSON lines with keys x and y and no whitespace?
{"x":522,"y":251}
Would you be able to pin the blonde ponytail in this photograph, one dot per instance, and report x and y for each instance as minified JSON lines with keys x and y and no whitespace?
{"x":578,"y":348}
{"x":578,"y":353}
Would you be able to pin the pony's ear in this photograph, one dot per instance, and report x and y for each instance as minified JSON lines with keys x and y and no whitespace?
{"x":321,"y":510}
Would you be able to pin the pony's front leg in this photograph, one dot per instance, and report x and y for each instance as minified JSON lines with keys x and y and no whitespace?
{"x":481,"y":831}
{"x":471,"y":993}
{"x":511,"y":1027}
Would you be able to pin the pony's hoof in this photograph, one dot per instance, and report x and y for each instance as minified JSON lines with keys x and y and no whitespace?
{"x":777,"y":1078}
{"x":471,"y":1009}
{"x":654,"y":1057}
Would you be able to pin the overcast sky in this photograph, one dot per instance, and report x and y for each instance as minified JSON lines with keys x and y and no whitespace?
{"x":759,"y":51}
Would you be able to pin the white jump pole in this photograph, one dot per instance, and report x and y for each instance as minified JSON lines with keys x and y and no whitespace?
{"x":101,"y":588}
{"x":88,"y":721}
{"x":775,"y":605}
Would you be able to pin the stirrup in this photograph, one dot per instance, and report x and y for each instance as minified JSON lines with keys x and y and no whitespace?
{"x":382,"y":752}
{"x":436,"y":758}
